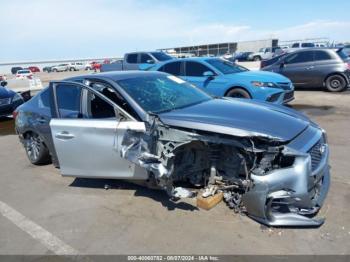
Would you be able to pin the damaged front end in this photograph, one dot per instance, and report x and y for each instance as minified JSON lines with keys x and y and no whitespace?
{"x":275,"y":182}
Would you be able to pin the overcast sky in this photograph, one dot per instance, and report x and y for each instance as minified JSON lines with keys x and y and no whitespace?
{"x":58,"y":29}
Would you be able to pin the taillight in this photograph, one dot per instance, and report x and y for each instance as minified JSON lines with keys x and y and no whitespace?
{"x":14,"y":114}
{"x":348,"y":65}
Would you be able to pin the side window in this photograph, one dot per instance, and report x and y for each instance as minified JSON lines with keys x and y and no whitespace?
{"x":300,"y":57}
{"x":195,"y":69}
{"x":295,"y":45}
{"x":322,"y":55}
{"x":145,"y":58}
{"x":173,"y":68}
{"x":68,"y":100}
{"x":44,"y":99}
{"x":98,"y":107}
{"x":108,"y":91}
{"x":132,"y":59}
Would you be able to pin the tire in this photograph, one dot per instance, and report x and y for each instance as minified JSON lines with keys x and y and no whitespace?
{"x":238,"y":93}
{"x":336,"y":83}
{"x":36,"y":150}
{"x":54,"y":70}
{"x":71,"y":69}
{"x":256,"y":58}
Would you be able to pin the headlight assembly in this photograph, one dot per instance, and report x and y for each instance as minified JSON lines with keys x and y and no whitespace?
{"x":263,"y":84}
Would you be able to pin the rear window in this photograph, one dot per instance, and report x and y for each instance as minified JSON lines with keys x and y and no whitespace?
{"x":322,"y":55}
{"x":23,"y":71}
{"x":132,"y":59}
{"x":307,"y":45}
{"x":342,"y":54}
{"x":160,"y":56}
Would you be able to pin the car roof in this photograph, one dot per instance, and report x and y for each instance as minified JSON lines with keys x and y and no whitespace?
{"x":118,"y":75}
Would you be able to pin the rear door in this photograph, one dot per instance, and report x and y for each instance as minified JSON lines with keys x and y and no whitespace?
{"x":299,"y":67}
{"x":131,"y":61}
{"x":87,"y":131}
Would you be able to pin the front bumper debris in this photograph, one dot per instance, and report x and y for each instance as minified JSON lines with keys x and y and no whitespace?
{"x":290,"y":196}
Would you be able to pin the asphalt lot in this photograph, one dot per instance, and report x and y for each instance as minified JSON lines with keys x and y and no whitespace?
{"x":130,"y":219}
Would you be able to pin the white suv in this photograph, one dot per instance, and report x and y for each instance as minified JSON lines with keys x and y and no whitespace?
{"x":25,"y":73}
{"x":76,"y":66}
{"x":60,"y":68}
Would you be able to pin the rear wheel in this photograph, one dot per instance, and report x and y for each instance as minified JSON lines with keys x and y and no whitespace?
{"x":238,"y":93}
{"x":257,"y":58}
{"x":36,"y":150}
{"x":336,"y":83}
{"x":54,"y":70}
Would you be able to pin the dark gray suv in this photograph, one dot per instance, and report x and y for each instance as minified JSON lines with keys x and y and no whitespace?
{"x":316,"y":67}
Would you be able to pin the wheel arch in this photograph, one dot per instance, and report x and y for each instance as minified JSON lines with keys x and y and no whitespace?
{"x":240,"y":87}
{"x":335,"y":73}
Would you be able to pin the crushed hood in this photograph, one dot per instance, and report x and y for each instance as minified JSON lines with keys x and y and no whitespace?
{"x":239,"y":117}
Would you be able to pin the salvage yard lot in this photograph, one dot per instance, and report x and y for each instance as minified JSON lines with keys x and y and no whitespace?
{"x":130,"y":219}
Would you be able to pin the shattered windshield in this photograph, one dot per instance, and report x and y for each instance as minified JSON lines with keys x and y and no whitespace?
{"x":157,"y":93}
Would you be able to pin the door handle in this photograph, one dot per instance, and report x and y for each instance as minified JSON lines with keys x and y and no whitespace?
{"x":42,"y":120}
{"x":310,"y":67}
{"x":64,"y":135}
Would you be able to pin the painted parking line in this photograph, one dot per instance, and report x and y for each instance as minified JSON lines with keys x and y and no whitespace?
{"x":51,"y":242}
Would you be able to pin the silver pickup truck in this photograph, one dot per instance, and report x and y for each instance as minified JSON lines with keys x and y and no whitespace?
{"x":132,"y":61}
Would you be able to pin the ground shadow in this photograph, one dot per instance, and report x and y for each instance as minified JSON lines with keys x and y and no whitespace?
{"x":314,"y":110}
{"x":7,"y":126}
{"x":140,"y":191}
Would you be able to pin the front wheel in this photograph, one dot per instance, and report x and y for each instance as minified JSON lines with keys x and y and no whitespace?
{"x":36,"y":150}
{"x":336,"y":83}
{"x":238,"y":93}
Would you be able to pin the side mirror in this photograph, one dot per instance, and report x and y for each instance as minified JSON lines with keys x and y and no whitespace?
{"x":3,"y":83}
{"x":151,"y":61}
{"x":208,"y":74}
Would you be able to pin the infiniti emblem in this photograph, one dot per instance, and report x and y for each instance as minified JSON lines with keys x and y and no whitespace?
{"x":322,"y":149}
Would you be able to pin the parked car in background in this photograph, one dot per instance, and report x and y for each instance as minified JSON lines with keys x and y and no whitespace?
{"x":313,"y":68}
{"x":24,"y":73}
{"x":132,"y":61}
{"x":60,"y":68}
{"x":88,"y":66}
{"x":47,"y":69}
{"x":15,"y":69}
{"x":33,"y":69}
{"x":303,"y":45}
{"x":76,"y":66}
{"x":9,"y":100}
{"x":240,"y":57}
{"x":264,"y":53}
{"x":3,"y":78}
{"x":346,"y":49}
{"x":220,"y":77}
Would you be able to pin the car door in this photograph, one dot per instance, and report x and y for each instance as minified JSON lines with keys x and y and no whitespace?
{"x":131,"y":61}
{"x":146,"y":59}
{"x":87,"y":132}
{"x":299,"y":68}
{"x":194,"y":73}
